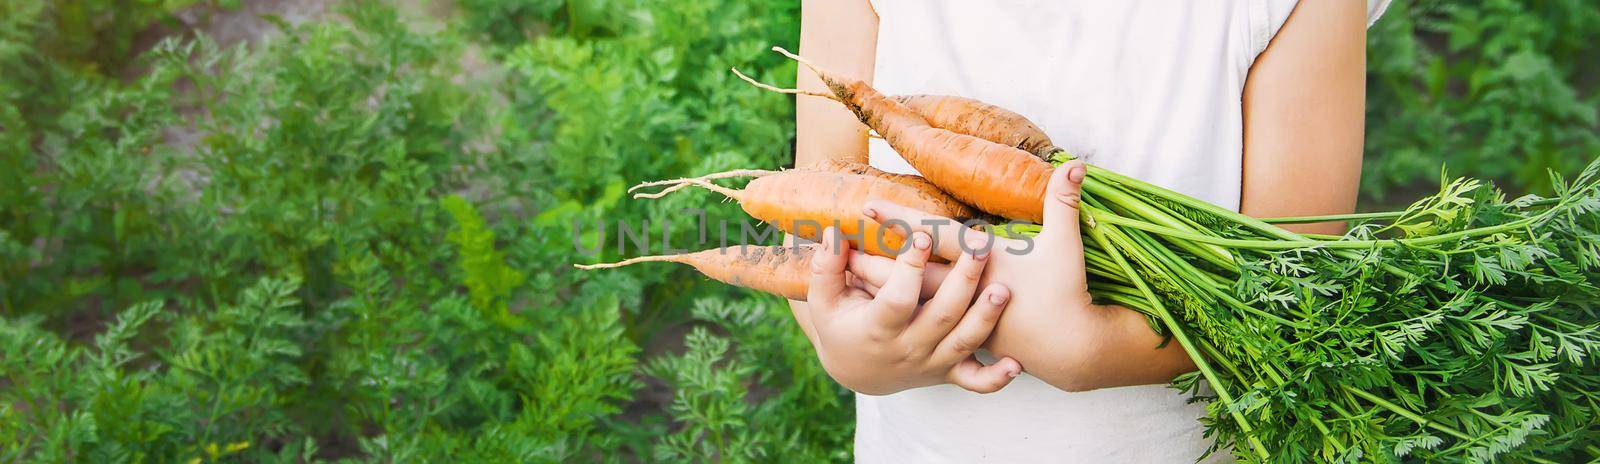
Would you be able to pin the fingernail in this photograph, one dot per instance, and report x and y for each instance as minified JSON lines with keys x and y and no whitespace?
{"x":1076,"y":174}
{"x":920,"y":240}
{"x":869,"y":212}
{"x":997,"y":298}
{"x":1013,"y":373}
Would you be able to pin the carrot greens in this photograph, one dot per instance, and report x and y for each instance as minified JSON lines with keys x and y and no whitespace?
{"x":1462,"y":328}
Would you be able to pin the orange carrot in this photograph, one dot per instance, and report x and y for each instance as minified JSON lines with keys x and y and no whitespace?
{"x":830,"y":164}
{"x":960,"y":115}
{"x":776,"y":269}
{"x":804,"y":201}
{"x":995,"y":178}
{"x":982,"y":120}
{"x":916,"y":182}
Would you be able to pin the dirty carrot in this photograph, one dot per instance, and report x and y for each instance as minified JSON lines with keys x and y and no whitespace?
{"x":852,"y":167}
{"x":804,"y":201}
{"x":961,"y":115}
{"x":982,"y":120}
{"x":992,"y":177}
{"x":830,"y":164}
{"x":776,"y":269}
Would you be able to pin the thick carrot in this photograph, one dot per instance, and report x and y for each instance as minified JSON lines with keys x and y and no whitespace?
{"x":916,"y":182}
{"x":830,"y":164}
{"x":960,"y":115}
{"x":996,"y":178}
{"x":777,"y":269}
{"x":805,"y":201}
{"x":982,"y":120}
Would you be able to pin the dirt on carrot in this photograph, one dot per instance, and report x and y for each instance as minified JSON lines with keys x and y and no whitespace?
{"x":982,"y":120}
{"x":996,"y":178}
{"x":776,"y":269}
{"x":803,"y":202}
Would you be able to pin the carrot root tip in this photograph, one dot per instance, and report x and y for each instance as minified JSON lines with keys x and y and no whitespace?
{"x":799,"y":59}
{"x":679,"y":184}
{"x":662,"y":193}
{"x":772,"y":88}
{"x":625,"y":262}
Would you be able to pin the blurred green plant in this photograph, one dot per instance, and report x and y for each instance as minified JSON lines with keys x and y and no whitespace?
{"x":514,"y":22}
{"x":93,"y":36}
{"x":1504,"y":89}
{"x":352,"y":241}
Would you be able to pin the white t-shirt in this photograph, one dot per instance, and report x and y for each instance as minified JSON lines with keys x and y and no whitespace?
{"x":1148,"y":88}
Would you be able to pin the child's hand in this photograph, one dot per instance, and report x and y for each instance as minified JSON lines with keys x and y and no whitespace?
{"x":1052,"y":324}
{"x":881,"y":341}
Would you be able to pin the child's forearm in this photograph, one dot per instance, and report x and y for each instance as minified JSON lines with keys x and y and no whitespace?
{"x":1089,"y":348}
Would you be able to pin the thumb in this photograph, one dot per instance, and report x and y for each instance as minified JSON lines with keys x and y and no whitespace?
{"x":1062,"y":204}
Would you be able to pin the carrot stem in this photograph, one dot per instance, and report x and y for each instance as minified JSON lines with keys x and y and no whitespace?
{"x":1100,"y":235}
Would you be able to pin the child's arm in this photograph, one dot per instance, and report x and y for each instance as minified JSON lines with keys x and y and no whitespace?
{"x":1304,"y":112}
{"x":841,"y":35}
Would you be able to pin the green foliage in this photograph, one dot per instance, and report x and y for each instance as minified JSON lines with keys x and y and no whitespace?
{"x":93,"y":36}
{"x":800,"y":419}
{"x":488,"y":280}
{"x":513,"y":22}
{"x":83,"y":172}
{"x":1460,"y":329}
{"x":1502,"y":89}
{"x":213,"y":387}
{"x":353,"y":241}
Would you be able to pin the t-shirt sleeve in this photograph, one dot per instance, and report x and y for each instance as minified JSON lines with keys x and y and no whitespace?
{"x":1375,"y":8}
{"x":1276,"y":12}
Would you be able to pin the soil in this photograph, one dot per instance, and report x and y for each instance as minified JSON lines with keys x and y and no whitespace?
{"x":246,"y":22}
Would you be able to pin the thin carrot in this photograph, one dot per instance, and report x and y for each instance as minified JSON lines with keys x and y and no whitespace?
{"x":776,"y":269}
{"x":805,"y":201}
{"x":982,"y":120}
{"x":830,"y":164}
{"x":960,"y":115}
{"x":996,"y":178}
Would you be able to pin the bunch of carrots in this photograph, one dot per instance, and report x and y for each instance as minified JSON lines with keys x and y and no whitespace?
{"x":1463,"y":328}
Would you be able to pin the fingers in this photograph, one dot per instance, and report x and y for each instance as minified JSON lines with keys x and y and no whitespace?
{"x":975,"y":326}
{"x":871,"y":272}
{"x":899,"y":295}
{"x":1061,"y":203}
{"x":948,"y":234}
{"x":941,"y":313}
{"x":827,"y":283}
{"x":974,"y":376}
